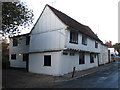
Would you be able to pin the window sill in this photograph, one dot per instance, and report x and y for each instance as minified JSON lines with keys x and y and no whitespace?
{"x":73,"y":42}
{"x":46,"y":66}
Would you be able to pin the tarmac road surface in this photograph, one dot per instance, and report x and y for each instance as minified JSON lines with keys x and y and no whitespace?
{"x":108,"y":78}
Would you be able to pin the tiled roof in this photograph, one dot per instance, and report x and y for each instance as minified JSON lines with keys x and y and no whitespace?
{"x":73,"y":24}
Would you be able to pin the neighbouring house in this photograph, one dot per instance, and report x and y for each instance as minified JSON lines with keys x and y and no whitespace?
{"x":57,"y":44}
{"x":113,"y":53}
{"x":112,"y":50}
{"x":19,"y":48}
{"x":109,"y":43}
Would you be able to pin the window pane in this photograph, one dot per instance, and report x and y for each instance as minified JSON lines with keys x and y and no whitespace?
{"x":15,"y":42}
{"x":81,"y":58}
{"x":84,"y":40}
{"x":74,"y":37}
{"x":27,"y":40}
{"x":25,"y":57}
{"x":47,"y":60}
{"x":91,"y":58}
{"x":13,"y":56}
{"x":96,"y":44}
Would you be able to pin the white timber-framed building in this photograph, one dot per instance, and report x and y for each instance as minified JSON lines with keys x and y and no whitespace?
{"x":57,"y":44}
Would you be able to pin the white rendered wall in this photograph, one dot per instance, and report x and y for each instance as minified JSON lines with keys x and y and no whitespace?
{"x":48,"y":33}
{"x":22,"y":48}
{"x":103,"y":56}
{"x":36,"y":63}
{"x":60,"y":64}
{"x":68,"y":62}
{"x":54,"y":40}
{"x":48,"y":22}
{"x":18,"y":63}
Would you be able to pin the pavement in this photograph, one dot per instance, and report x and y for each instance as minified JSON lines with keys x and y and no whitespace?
{"x":14,"y":78}
{"x":79,"y":74}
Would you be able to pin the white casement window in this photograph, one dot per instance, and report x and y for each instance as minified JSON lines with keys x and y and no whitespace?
{"x":25,"y":57}
{"x":81,"y":58}
{"x":27,"y":40}
{"x":47,"y":60}
{"x":15,"y":41}
{"x":73,"y":37}
{"x":96,"y":44}
{"x":92,"y":56}
{"x":13,"y":56}
{"x":84,"y":40}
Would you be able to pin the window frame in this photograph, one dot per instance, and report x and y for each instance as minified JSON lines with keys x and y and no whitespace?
{"x":46,"y":61}
{"x":96,"y":44}
{"x":84,"y":40}
{"x":25,"y":57}
{"x":82,"y":58}
{"x":92,"y":60}
{"x":73,"y":37}
{"x":13,"y":56}
{"x":15,"y":42}
{"x":27,"y":40}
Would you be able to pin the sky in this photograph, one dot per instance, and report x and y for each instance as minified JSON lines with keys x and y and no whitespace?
{"x":100,"y":15}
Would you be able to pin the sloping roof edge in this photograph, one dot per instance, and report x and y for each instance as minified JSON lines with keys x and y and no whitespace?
{"x":82,"y":28}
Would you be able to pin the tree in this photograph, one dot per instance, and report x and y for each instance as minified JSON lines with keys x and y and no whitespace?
{"x":117,"y":47}
{"x":14,"y":15}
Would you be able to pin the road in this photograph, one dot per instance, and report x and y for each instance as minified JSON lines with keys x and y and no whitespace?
{"x":108,"y":78}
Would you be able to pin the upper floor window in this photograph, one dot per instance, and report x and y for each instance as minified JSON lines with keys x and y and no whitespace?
{"x":74,"y":37}
{"x":27,"y":40}
{"x":84,"y":40}
{"x":15,"y":42}
{"x":96,"y":44}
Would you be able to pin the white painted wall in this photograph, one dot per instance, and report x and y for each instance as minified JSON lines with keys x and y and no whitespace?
{"x":20,"y":49}
{"x":48,"y":22}
{"x":60,"y":64}
{"x":54,"y":40}
{"x":48,"y":33}
{"x":103,"y":56}
{"x":36,"y":63}
{"x":18,"y":63}
{"x":68,"y":62}
{"x":90,"y":44}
